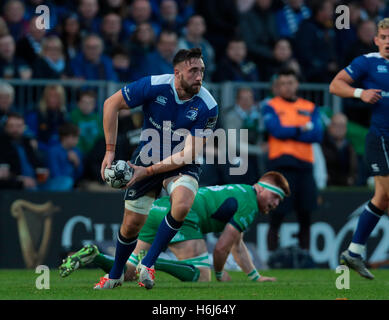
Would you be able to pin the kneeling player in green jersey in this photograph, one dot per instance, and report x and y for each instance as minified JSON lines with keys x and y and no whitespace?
{"x":227,"y":209}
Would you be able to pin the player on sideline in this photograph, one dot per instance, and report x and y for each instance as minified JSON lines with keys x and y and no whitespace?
{"x":229,"y":209}
{"x":372,"y":70}
{"x":164,"y":157}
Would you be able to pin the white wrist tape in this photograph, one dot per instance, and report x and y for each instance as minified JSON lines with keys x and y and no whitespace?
{"x":358,"y":93}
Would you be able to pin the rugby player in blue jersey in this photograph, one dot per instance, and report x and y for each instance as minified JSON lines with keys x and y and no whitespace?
{"x":372,"y":71}
{"x":179,"y":115}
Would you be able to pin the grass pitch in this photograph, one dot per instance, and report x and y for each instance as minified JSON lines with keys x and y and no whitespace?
{"x":313,"y":284}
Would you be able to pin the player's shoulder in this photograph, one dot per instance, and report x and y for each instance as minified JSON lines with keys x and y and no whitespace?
{"x":162,"y":79}
{"x":367,"y":58}
{"x":207,"y":98}
{"x":372,"y":55}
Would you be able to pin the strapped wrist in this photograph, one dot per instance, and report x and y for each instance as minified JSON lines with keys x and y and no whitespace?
{"x":110,"y":147}
{"x":253,"y":275}
{"x":358,"y":93}
{"x":150,"y":170}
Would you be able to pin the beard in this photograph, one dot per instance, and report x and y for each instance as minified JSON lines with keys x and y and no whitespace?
{"x":190,"y":89}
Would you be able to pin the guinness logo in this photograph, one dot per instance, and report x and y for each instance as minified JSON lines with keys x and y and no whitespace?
{"x":34,"y":223}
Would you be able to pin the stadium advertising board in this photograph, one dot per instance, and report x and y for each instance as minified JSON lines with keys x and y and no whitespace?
{"x":37,"y":227}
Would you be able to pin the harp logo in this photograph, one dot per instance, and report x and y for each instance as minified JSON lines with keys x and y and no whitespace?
{"x":34,"y":223}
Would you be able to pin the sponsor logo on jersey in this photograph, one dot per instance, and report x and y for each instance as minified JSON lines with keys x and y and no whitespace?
{"x":192,"y":114}
{"x":161,"y":100}
{"x":211,"y":122}
{"x":382,"y":69}
{"x":375,"y":167}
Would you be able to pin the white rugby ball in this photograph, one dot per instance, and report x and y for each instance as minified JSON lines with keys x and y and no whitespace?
{"x":118,"y":175}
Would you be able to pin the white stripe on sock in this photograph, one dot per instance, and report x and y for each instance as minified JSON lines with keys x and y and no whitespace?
{"x":368,"y":209}
{"x":126,"y":243}
{"x":356,"y":248}
{"x":170,"y":225}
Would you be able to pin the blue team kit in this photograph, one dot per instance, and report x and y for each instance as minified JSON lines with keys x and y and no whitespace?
{"x":372,"y":70}
{"x":165,"y":113}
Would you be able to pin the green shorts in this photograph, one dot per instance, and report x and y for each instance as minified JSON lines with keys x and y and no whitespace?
{"x":190,"y":230}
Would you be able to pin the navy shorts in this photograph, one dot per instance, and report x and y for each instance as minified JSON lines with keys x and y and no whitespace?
{"x":377,"y":154}
{"x":155,"y":182}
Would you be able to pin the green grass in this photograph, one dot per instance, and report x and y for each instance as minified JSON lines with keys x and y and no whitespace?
{"x":315,"y":284}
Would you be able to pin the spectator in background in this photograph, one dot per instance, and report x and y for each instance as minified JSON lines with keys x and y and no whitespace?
{"x":160,"y":61}
{"x":247,"y":115}
{"x":142,"y":42}
{"x":140,"y":12}
{"x":258,"y":27}
{"x":65,"y":160}
{"x":3,"y":27}
{"x":355,"y":109}
{"x":29,"y":47}
{"x":194,"y":38}
{"x":168,"y":17}
{"x":91,"y":63}
{"x":87,"y":120}
{"x":13,"y":13}
{"x":19,"y":156}
{"x":315,"y":44}
{"x":235,"y":66}
{"x":7,"y":96}
{"x":52,"y":63}
{"x":290,"y":16}
{"x":364,"y":43}
{"x":123,"y":65}
{"x":117,"y":6}
{"x":43,"y":124}
{"x":70,"y":36}
{"x":282,"y":59}
{"x":375,"y":10}
{"x":89,"y":19}
{"x":12,"y":67}
{"x":341,"y":159}
{"x":293,"y":125}
{"x":112,"y":32}
{"x":222,"y":20}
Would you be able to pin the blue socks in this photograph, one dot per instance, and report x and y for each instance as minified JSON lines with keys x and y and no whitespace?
{"x":366,"y":224}
{"x":124,"y":248}
{"x":166,"y":231}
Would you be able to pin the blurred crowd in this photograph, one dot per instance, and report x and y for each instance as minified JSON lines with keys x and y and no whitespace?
{"x":54,"y":147}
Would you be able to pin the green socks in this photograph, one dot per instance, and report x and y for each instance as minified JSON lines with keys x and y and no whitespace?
{"x":105,"y":262}
{"x":178,"y":269}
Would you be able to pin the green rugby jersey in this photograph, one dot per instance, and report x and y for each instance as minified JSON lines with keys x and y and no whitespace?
{"x":216,"y":206}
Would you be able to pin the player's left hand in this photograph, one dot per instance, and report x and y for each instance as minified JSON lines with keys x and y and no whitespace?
{"x":139,"y":174}
{"x":266,"y":279}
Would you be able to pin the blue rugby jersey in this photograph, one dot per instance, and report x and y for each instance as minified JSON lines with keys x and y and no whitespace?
{"x":373,"y":72}
{"x":166,"y":113}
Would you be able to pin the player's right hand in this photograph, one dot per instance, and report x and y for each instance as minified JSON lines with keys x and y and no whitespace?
{"x":371,"y":95}
{"x":108,"y":158}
